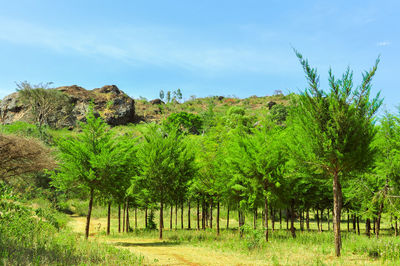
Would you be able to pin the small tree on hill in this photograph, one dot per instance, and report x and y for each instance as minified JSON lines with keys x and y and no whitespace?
{"x":45,"y":103}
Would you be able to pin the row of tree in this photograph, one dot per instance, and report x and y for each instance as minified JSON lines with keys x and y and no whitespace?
{"x":294,"y":158}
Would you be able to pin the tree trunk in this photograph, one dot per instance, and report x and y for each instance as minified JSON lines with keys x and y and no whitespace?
{"x":348,"y":221}
{"x":135,"y":218}
{"x":108,"y":218}
{"x":337,"y":209}
{"x":123,"y":217}
{"x":280,"y":218}
{"x":354,"y":224}
{"x":227,"y":218}
{"x":308,"y":220}
{"x":272,"y":219}
{"x":329,"y":222}
{"x":189,"y":214}
{"x":368,"y":227}
{"x":287,"y":219}
{"x":358,"y":225}
{"x":145,"y":217}
{"x":176,"y":216}
{"x":301,"y":220}
{"x":89,"y":213}
{"x":127,"y":216}
{"x":317,"y":216}
{"x":292,"y":217}
{"x":374,"y":227}
{"x":322,"y":219}
{"x":218,"y":218}
{"x":396,"y":229}
{"x":266,"y":217}
{"x":211,"y":213}
{"x":203,"y":217}
{"x":161,"y":219}
{"x":119,"y":218}
{"x":170,"y":216}
{"x":255,"y":218}
{"x":198,"y":215}
{"x":182,"y":214}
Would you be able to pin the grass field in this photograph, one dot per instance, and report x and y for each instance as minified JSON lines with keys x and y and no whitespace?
{"x":204,"y":247}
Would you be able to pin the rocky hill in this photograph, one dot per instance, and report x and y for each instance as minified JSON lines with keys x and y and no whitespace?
{"x":116,"y":107}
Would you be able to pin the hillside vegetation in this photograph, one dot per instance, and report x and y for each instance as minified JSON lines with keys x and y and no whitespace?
{"x":310,"y":178}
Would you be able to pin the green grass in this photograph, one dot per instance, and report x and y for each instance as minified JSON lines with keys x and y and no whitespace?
{"x":33,"y":233}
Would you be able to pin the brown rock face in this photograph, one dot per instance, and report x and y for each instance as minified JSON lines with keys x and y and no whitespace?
{"x":112,"y":104}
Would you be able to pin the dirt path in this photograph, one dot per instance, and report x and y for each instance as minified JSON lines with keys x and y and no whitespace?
{"x":157,"y":252}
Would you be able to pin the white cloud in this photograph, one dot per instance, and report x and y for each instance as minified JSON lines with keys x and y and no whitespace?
{"x":160,"y":46}
{"x":384,"y":43}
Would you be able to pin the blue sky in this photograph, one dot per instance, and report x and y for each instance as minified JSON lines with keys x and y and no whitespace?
{"x":239,"y":48}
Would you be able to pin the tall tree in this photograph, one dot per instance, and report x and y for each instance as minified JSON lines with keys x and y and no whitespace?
{"x":335,"y":129}
{"x":86,"y":160}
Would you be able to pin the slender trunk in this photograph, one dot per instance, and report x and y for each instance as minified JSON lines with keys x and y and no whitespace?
{"x":135,"y":218}
{"x":127,"y":216}
{"x":337,"y":208}
{"x":161,"y":219}
{"x":123,"y":217}
{"x":203,"y":217}
{"x":301,"y":220}
{"x":266,"y":217}
{"x":145,"y":217}
{"x":358,"y":225}
{"x":218,"y":218}
{"x":189,"y":214}
{"x":354,"y":224}
{"x":308,"y":220}
{"x":272,"y":219}
{"x":176,"y":216}
{"x":255,"y":218}
{"x":227,"y":218}
{"x":211,"y":213}
{"x":292,"y":217}
{"x":396,"y":229}
{"x":348,"y":221}
{"x":170,"y":217}
{"x":374,"y":226}
{"x":119,"y":218}
{"x":329,"y":222}
{"x":322,"y":219}
{"x":280,"y":218}
{"x":108,"y":217}
{"x":368,"y":227}
{"x":89,"y":213}
{"x":263,"y":218}
{"x":378,"y":221}
{"x":182,"y":214}
{"x":198,"y":215}
{"x":317,"y":216}
{"x":287,"y":219}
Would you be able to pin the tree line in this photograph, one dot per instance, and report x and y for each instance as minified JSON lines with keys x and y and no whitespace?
{"x":325,"y":151}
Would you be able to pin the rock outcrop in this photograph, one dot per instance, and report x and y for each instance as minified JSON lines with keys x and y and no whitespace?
{"x":112,"y":104}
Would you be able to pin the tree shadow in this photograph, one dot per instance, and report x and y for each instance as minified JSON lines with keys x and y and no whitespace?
{"x":149,"y":244}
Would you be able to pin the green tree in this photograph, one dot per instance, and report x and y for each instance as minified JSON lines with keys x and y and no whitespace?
{"x":335,"y":129}
{"x":89,"y":160}
{"x":166,"y":165}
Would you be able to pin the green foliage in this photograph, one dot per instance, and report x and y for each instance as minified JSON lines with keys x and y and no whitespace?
{"x":184,"y":122}
{"x":151,"y":225}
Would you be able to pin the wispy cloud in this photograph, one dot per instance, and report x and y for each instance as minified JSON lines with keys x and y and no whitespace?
{"x":160,"y":46}
{"x":384,"y":43}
